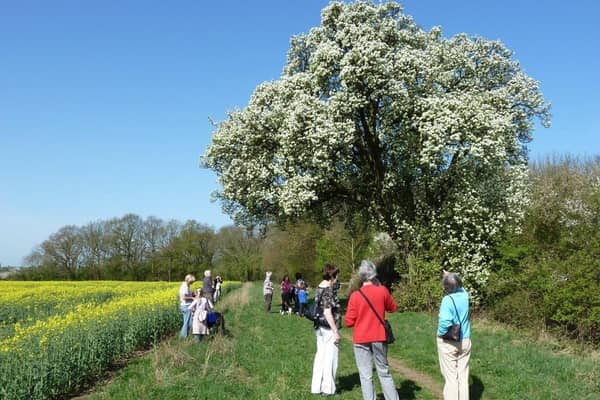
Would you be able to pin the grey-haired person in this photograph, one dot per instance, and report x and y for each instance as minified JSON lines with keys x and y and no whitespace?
{"x":453,"y":355}
{"x":368,"y":334}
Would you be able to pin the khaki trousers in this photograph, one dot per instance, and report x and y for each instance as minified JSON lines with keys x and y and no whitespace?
{"x":454,"y":365}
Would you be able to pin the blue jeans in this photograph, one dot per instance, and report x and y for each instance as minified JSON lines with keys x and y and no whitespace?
{"x":187,"y":317}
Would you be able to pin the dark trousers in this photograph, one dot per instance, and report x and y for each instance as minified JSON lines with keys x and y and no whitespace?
{"x":301,"y":308}
{"x":285,"y":301}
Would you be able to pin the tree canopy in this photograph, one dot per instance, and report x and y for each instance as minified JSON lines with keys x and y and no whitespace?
{"x":423,"y":136}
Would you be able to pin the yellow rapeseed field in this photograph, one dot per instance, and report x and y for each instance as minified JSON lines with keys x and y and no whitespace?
{"x":56,"y":336}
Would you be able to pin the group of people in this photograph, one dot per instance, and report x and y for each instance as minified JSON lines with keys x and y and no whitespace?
{"x":196,"y":306}
{"x":365,"y":313}
{"x":294,"y":296}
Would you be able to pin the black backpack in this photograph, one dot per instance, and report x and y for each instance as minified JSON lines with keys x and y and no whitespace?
{"x":314,"y":312}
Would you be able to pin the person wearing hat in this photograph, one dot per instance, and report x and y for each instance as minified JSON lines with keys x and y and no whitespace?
{"x":268,"y":291}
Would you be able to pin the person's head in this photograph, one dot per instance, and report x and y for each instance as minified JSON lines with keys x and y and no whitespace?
{"x":207,"y":273}
{"x":189,"y":279}
{"x":367,"y":271}
{"x":330,"y":272}
{"x":451,"y":282}
{"x":268,"y":274}
{"x":199,"y":292}
{"x":286,"y":278}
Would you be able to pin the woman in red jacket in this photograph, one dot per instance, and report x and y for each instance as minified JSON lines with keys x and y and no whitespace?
{"x":368,"y":335}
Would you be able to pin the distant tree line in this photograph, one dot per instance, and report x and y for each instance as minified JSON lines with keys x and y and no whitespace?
{"x":129,"y":247}
{"x":136,"y":248}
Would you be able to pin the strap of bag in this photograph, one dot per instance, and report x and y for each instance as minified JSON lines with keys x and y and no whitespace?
{"x":456,"y":309}
{"x":318,"y":294}
{"x":372,"y":308}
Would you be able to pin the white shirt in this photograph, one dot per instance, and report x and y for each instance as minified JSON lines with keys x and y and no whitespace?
{"x":184,"y":290}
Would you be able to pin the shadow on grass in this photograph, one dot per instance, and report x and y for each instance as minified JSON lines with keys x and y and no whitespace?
{"x":349,"y":382}
{"x":476,"y":388}
{"x":407,"y":389}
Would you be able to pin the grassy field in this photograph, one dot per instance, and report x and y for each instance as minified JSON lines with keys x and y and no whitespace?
{"x":269,"y":356}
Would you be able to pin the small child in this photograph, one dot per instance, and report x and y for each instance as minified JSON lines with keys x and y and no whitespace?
{"x":200,"y":308}
{"x":302,"y":298}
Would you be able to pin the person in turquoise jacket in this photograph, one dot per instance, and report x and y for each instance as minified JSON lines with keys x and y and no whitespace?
{"x":454,"y":355}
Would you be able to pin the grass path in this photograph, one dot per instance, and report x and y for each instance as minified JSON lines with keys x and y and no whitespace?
{"x":270,"y":356}
{"x":424,"y":380}
{"x":399,"y":368}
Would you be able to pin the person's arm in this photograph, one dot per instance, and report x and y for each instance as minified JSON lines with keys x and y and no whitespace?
{"x":351,"y":312}
{"x":328,"y":314}
{"x":390,"y":304}
{"x":445,"y":316}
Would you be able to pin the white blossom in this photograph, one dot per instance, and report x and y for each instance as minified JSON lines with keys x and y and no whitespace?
{"x":375,"y":116}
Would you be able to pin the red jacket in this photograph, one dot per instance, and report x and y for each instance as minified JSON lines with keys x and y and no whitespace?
{"x":359,"y":315}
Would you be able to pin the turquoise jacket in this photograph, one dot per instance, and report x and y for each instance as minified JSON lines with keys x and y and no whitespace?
{"x":448,"y":317}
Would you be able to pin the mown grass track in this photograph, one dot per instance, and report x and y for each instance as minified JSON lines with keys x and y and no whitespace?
{"x":269,"y":356}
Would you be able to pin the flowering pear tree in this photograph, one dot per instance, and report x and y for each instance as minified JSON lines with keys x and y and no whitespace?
{"x":373,"y":116}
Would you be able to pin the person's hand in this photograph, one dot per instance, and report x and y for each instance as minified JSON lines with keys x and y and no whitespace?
{"x":336,"y":337}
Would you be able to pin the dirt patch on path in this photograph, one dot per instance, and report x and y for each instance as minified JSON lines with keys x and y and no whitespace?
{"x":421,"y":379}
{"x":425,"y":381}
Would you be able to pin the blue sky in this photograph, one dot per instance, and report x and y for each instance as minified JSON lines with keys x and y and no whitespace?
{"x":104,"y":105}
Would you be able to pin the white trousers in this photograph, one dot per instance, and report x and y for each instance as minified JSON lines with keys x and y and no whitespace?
{"x":326,"y":360}
{"x":454,"y":364}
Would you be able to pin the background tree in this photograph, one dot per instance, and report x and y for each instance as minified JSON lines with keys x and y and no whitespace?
{"x":128,"y":245}
{"x":96,"y":248}
{"x":342,"y":247}
{"x":548,"y":275}
{"x":155,"y":236}
{"x":195,"y":247}
{"x":238,"y":254}
{"x":168,"y":253}
{"x":423,"y":136}
{"x":64,"y":250}
{"x":291,"y":249}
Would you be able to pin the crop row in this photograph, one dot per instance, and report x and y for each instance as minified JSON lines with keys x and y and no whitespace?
{"x":56,"y":355}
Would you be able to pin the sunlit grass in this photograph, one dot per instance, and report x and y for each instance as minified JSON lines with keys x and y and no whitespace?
{"x":270,"y":356}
